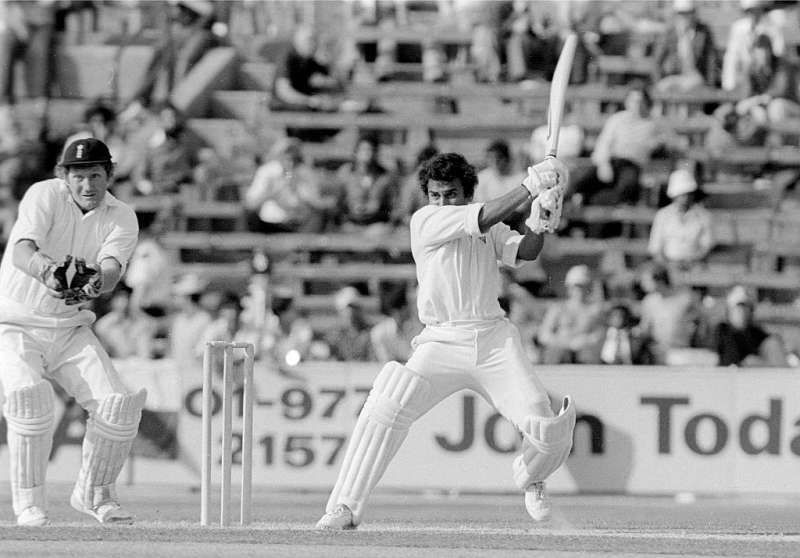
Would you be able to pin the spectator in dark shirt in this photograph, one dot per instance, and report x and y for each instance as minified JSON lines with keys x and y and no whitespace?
{"x":368,"y":186}
{"x":773,"y":86}
{"x":623,"y":342}
{"x":685,"y":56}
{"x":301,"y":82}
{"x":350,"y":339}
{"x":739,"y":341}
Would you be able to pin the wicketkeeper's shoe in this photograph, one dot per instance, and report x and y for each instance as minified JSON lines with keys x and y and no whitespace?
{"x":340,"y":519}
{"x":33,"y":516}
{"x":108,"y":511}
{"x":537,"y":503}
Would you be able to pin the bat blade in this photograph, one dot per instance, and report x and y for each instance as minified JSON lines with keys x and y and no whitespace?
{"x":558,"y":93}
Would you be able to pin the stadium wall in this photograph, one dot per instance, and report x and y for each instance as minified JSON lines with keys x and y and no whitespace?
{"x":641,"y":430}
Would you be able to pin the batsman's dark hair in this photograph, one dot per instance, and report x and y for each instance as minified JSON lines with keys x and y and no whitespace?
{"x":447,"y":167}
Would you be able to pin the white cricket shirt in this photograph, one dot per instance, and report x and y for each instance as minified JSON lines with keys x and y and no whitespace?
{"x":50,"y":217}
{"x":457,"y":265}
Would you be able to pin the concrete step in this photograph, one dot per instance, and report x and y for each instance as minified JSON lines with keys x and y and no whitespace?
{"x":257,"y":76}
{"x":242,"y":105}
{"x":223,"y":134}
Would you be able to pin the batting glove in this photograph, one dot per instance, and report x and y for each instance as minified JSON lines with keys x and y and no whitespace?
{"x":545,"y":175}
{"x":545,"y":214}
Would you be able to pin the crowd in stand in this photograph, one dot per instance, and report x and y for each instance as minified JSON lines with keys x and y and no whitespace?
{"x":652,"y":321}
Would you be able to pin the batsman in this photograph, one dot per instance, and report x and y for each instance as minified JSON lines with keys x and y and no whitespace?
{"x":70,"y":243}
{"x":467,"y":342}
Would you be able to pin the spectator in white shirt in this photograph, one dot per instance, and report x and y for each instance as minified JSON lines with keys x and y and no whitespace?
{"x":741,"y":39}
{"x":623,"y":148}
{"x":682,"y":231}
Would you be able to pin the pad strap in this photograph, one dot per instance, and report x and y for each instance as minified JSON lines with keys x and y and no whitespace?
{"x":29,"y":414}
{"x":110,"y":433}
{"x":398,"y":397}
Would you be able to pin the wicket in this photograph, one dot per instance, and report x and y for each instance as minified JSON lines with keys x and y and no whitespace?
{"x":227,"y":434}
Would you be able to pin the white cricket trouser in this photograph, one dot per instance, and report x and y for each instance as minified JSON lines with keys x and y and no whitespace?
{"x":488,"y":359}
{"x":73,"y":357}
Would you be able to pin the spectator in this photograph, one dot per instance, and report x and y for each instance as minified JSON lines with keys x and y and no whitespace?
{"x":533,"y":46}
{"x":622,"y":150}
{"x":100,"y":121}
{"x":286,"y":194}
{"x":672,"y":318}
{"x":213,"y":178}
{"x":350,"y":339}
{"x":224,"y":325}
{"x":739,"y":341}
{"x":186,"y":35}
{"x":192,"y":35}
{"x":500,"y":177}
{"x":572,"y":329}
{"x":168,"y":162}
{"x":188,"y":321}
{"x":149,"y":275}
{"x":773,"y":86}
{"x":26,"y":34}
{"x":722,"y":133}
{"x":391,"y":336}
{"x":12,"y":151}
{"x":682,"y":232}
{"x":742,"y":36}
{"x":487,"y":38}
{"x":410,"y":197}
{"x":434,"y":62}
{"x":301,"y":82}
{"x":288,"y":337}
{"x":622,"y":341}
{"x":686,"y":56}
{"x":368,"y":186}
{"x":125,"y":331}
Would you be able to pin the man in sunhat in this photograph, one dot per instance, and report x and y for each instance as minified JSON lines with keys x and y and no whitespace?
{"x":682,"y":231}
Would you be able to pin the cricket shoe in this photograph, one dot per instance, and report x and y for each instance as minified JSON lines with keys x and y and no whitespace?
{"x":340,"y":519}
{"x":537,"y":503}
{"x":32,"y":516}
{"x":108,"y":511}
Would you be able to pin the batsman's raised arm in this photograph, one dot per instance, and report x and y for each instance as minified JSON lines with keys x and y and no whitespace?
{"x":541,"y":177}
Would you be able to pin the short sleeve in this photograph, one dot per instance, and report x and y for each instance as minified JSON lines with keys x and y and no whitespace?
{"x":506,"y":244}
{"x":433,"y":225}
{"x":35,"y":213}
{"x":121,"y":240}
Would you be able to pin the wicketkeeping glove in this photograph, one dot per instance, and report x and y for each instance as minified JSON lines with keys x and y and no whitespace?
{"x":85,"y":284}
{"x":51,"y":274}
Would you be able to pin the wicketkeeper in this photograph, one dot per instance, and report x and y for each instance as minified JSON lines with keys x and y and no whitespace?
{"x":70,"y":243}
{"x":467,"y":343}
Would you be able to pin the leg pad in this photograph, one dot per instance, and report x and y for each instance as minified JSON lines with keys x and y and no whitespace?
{"x":546,"y":444}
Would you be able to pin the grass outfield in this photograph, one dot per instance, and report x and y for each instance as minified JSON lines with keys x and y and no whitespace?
{"x":415,"y":525}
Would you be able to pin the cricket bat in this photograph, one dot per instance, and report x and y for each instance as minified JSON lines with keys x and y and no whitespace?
{"x":558,"y":93}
